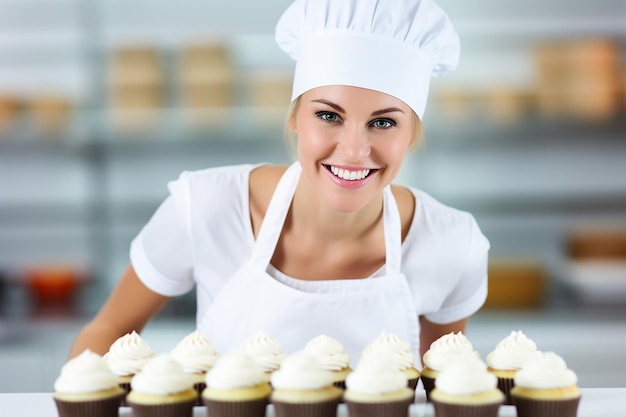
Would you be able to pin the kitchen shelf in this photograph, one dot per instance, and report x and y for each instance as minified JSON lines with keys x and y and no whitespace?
{"x":120,"y":166}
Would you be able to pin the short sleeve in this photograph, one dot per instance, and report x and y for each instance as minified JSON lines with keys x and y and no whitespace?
{"x":470,"y":291}
{"x":162,"y":253}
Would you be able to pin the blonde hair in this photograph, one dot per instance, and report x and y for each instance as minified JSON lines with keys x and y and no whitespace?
{"x":291,"y":137}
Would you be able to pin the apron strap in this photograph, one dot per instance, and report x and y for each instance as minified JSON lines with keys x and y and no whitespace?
{"x":393,"y":233}
{"x":279,"y":205}
{"x":275,"y":216}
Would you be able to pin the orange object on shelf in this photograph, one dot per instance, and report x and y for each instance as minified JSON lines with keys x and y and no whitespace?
{"x":53,"y":284}
{"x":598,"y":243}
{"x":516,"y":284}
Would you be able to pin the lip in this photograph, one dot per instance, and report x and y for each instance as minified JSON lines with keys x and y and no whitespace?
{"x":349,"y":184}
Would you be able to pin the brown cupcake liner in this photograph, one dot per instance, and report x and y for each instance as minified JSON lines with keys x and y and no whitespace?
{"x":527,"y":407}
{"x":199,"y":387}
{"x":178,"y":409}
{"x":250,"y":408}
{"x":382,"y":409}
{"x":412,"y":383}
{"x":318,"y":409}
{"x":106,"y":407}
{"x":429,"y":385}
{"x":466,"y":410}
{"x":506,"y":385}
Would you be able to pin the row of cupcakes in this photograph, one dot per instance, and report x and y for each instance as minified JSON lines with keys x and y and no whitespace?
{"x":459,"y":383}
{"x":314,"y":377}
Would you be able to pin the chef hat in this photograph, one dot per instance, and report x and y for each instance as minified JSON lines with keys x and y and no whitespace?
{"x":392,"y":46}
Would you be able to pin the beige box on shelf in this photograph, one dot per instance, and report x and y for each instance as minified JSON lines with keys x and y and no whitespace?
{"x":206,"y":83}
{"x":516,"y":284}
{"x":507,"y":105}
{"x":455,"y":106}
{"x":578,"y":79}
{"x":206,"y":75}
{"x":270,"y":88}
{"x":135,"y":86}
{"x":9,"y":109}
{"x":50,"y":114}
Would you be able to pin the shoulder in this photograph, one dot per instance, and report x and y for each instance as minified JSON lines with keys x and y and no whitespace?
{"x":263,"y":182}
{"x":449,"y":226}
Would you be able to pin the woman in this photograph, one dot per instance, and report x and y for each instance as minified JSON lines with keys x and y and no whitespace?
{"x":327,"y":245}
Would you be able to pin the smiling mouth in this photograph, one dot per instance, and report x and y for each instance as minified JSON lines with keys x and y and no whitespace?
{"x":349,"y":175}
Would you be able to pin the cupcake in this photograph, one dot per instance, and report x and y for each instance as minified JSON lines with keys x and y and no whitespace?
{"x":441,"y":352}
{"x":236,"y":387}
{"x":303,"y":388}
{"x":545,"y":387}
{"x":86,"y":387}
{"x":162,"y":389}
{"x":398,"y":352}
{"x":507,"y":358}
{"x":196,"y":355}
{"x":465,"y":388}
{"x":331,"y":356}
{"x":378,"y":388}
{"x":266,"y":351}
{"x":126,"y":356}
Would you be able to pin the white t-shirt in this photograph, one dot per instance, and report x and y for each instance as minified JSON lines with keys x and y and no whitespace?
{"x":201,"y":234}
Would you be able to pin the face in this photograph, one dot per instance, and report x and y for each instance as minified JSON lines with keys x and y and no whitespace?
{"x":351,"y":142}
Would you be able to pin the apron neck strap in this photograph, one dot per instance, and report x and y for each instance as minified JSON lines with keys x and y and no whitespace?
{"x":279,"y":205}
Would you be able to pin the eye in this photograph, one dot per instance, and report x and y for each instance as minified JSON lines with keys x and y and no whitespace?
{"x":328,"y":116}
{"x":382,"y":123}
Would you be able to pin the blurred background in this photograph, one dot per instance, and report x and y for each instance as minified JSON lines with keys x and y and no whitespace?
{"x":104,"y":101}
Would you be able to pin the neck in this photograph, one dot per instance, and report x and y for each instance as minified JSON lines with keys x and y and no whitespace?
{"x":315,"y":216}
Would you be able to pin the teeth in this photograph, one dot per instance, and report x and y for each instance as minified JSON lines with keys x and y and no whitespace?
{"x":349,"y":175}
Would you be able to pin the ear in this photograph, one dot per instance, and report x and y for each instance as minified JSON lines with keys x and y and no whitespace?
{"x":292,"y":125}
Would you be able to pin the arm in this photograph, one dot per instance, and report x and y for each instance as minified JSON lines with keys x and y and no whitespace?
{"x":129,"y":307}
{"x":432,"y":331}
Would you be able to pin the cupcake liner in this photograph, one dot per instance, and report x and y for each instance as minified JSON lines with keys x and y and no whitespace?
{"x":106,"y":407}
{"x":412,"y":383}
{"x":467,"y":410}
{"x":178,"y":409}
{"x":199,"y":387}
{"x":429,"y":385}
{"x":381,"y":409}
{"x":318,"y":409}
{"x":527,"y":407}
{"x":505,"y":385}
{"x":249,"y":408}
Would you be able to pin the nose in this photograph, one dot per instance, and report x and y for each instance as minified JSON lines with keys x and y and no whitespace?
{"x":354,"y":144}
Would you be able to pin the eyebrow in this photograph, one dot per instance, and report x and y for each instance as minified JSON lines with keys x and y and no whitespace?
{"x":341,"y":110}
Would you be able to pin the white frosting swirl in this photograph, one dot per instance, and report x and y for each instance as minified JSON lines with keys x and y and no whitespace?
{"x":511,"y":352}
{"x":443,"y":350}
{"x":463,"y":377}
{"x":87,"y":372}
{"x":397,"y":351}
{"x":236,"y":369}
{"x":128,"y":354}
{"x":374,"y":376}
{"x":195,"y":353}
{"x":265,"y":350}
{"x":329,"y":352}
{"x":302,"y":370}
{"x":161,"y":375}
{"x":545,"y":370}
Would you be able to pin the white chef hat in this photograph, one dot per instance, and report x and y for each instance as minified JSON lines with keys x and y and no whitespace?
{"x":392,"y":46}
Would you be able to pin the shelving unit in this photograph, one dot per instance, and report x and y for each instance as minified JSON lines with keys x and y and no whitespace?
{"x":81,"y":195}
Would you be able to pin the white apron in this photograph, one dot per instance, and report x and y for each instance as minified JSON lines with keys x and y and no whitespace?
{"x":353,"y":311}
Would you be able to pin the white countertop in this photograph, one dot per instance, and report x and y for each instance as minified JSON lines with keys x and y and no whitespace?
{"x":596,"y":402}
